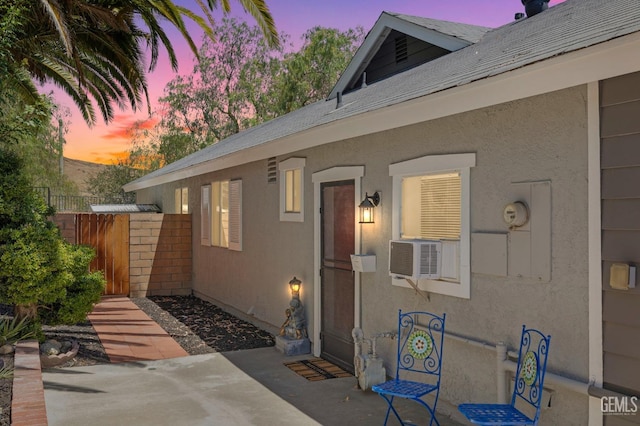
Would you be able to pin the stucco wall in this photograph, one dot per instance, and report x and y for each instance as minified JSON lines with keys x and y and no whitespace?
{"x":535,"y":139}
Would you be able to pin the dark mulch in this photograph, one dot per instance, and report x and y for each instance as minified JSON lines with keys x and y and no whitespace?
{"x":198,"y":326}
{"x":220,"y":330}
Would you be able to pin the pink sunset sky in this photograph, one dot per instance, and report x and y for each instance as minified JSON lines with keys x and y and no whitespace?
{"x":104,"y":143}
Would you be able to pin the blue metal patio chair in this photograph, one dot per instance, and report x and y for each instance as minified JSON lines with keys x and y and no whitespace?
{"x":526,"y":399}
{"x":420,"y":337}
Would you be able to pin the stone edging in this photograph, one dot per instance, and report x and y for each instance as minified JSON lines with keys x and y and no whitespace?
{"x":27,"y":403}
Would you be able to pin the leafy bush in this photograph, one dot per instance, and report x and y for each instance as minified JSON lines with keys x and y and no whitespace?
{"x":83,"y":292}
{"x":33,"y":265}
{"x":41,"y":275}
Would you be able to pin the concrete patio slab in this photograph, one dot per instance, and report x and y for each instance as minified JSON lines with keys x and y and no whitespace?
{"x":197,"y":390}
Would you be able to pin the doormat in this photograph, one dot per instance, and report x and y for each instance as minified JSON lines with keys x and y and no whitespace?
{"x":315,"y":369}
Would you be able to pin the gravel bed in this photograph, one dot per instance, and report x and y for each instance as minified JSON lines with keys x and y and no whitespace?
{"x":198,"y":326}
{"x":182,"y":334}
{"x":218,"y":329}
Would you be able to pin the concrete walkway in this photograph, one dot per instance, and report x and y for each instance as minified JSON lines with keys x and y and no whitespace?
{"x":250,"y":387}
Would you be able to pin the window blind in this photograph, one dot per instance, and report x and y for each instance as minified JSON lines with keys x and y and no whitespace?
{"x":235,"y":215}
{"x":205,"y":216}
{"x":440,"y":206}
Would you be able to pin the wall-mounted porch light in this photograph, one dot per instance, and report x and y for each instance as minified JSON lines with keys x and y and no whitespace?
{"x":367,"y":206}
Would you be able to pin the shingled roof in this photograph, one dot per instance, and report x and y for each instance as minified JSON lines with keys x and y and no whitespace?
{"x":564,"y":28}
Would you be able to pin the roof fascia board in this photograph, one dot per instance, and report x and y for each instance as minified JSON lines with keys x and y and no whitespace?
{"x":591,"y":64}
{"x":445,"y":41}
{"x":376,"y":37}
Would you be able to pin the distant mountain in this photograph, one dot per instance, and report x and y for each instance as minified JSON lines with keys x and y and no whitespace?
{"x":79,"y":172}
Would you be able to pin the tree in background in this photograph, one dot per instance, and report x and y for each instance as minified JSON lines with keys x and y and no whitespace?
{"x":108,"y":182}
{"x":240,"y":82}
{"x":214,"y":101}
{"x":39,"y":270}
{"x":29,"y":132}
{"x":310,"y":74}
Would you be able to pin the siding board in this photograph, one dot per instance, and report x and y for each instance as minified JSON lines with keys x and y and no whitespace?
{"x":622,"y":246}
{"x":622,"y":371}
{"x":621,"y":151}
{"x":622,"y":420}
{"x":622,"y":340}
{"x":621,"y":119}
{"x":621,"y":307}
{"x":384,"y":63}
{"x":621,"y":214}
{"x":620,"y":193}
{"x":620,"y":89}
{"x":621,"y":183}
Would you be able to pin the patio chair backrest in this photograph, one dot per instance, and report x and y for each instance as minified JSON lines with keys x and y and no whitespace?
{"x":420,"y":337}
{"x":532,"y":365}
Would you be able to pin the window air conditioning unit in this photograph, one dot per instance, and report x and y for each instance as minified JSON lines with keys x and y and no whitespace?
{"x":415,"y":259}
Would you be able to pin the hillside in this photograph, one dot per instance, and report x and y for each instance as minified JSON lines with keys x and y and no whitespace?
{"x":79,"y":171}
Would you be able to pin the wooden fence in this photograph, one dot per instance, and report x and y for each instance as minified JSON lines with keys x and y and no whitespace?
{"x":109,"y":235}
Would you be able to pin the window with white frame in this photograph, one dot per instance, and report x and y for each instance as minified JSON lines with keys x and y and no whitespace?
{"x":222,"y":214}
{"x":431,"y":202}
{"x":292,"y":189}
{"x":181,"y":199}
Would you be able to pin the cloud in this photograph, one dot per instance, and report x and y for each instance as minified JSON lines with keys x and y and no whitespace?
{"x":123,"y":126}
{"x":108,"y":158}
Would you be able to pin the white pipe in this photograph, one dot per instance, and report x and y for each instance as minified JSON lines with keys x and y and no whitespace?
{"x":504,"y":365}
{"x":468,"y":341}
{"x":554,"y":380}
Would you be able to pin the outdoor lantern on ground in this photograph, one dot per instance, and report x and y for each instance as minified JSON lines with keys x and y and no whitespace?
{"x":293,"y":338}
{"x":367,"y":206}
{"x":294,"y":284}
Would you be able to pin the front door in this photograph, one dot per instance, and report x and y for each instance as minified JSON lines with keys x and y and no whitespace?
{"x":337,"y":279}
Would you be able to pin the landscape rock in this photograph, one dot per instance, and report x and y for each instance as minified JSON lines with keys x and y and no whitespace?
{"x":48,"y":357}
{"x":51,"y":347}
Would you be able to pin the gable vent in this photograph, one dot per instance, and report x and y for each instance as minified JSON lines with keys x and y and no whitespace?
{"x":272,"y":170}
{"x":401,"y":49}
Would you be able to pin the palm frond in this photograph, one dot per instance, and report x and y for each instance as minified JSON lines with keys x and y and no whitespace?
{"x":260,"y":12}
{"x":57,"y":17}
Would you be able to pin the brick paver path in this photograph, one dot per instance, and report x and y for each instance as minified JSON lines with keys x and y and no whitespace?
{"x":128,"y":334}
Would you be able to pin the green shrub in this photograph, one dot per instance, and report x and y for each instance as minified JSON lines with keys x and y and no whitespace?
{"x":6,"y":373}
{"x":82,"y":293}
{"x":33,"y":265}
{"x":41,"y":275}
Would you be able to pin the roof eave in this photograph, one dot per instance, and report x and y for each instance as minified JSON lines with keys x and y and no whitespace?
{"x":590,"y":64}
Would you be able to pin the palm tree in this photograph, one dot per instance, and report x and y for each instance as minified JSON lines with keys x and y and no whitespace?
{"x":92,"y":48}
